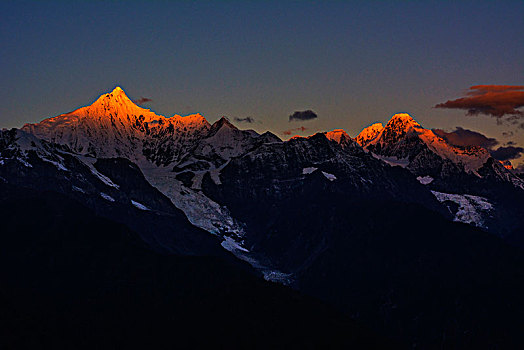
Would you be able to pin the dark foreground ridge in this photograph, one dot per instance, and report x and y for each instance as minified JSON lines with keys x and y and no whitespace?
{"x":71,"y":279}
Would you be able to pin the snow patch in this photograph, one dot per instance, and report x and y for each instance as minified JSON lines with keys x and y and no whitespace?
{"x":58,"y":165}
{"x":231,"y":245}
{"x":308,"y":170}
{"x":242,"y":253}
{"x":24,"y":162}
{"x":215,"y":173}
{"x":78,"y":189}
{"x":100,"y":176}
{"x":329,"y":176}
{"x":425,"y":180}
{"x":139,"y":205}
{"x":472,"y":209}
{"x":107,"y":197}
{"x":278,"y":277}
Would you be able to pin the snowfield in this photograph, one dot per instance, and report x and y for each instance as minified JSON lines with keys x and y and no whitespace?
{"x":472,"y":209}
{"x":425,"y":180}
{"x":308,"y":170}
{"x":107,"y":197}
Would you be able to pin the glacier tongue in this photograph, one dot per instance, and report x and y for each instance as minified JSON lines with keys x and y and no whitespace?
{"x":199,"y":209}
{"x":203,"y":212}
{"x":269,"y":274}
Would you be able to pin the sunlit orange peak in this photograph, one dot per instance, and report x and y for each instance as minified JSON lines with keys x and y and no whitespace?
{"x":403,"y":118}
{"x":369,"y":133}
{"x":337,"y":135}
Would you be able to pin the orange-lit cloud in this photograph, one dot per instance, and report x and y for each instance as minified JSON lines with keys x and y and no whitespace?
{"x":291,"y":131}
{"x":492,"y":100}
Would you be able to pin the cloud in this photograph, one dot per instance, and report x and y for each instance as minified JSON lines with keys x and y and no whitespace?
{"x":507,"y":133}
{"x":142,"y":100}
{"x":465,"y":137}
{"x":507,"y":153}
{"x":245,"y":120}
{"x":291,"y":131}
{"x":303,"y":115}
{"x":492,"y":100}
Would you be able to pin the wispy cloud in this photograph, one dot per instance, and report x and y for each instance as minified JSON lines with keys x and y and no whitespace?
{"x":142,"y":100}
{"x":249,"y":120}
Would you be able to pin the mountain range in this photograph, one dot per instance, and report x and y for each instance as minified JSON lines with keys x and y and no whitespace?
{"x":412,"y":238}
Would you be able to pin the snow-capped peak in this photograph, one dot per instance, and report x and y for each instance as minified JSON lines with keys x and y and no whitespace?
{"x":337,"y":135}
{"x":368,"y":134}
{"x":110,"y":127}
{"x":400,"y":124}
{"x":341,"y":137}
{"x":396,"y":129}
{"x":403,"y":137}
{"x":403,"y":118}
{"x":117,"y":90}
{"x":115,"y":104}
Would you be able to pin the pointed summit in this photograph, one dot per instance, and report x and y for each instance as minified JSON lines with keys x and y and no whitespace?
{"x":397,"y":127}
{"x":113,"y":106}
{"x":114,"y":98}
{"x":119,"y":92}
{"x":223,"y":122}
{"x":108,"y":127}
{"x":403,"y":119}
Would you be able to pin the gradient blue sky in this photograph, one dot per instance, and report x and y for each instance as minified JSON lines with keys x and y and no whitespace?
{"x":353,"y":63}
